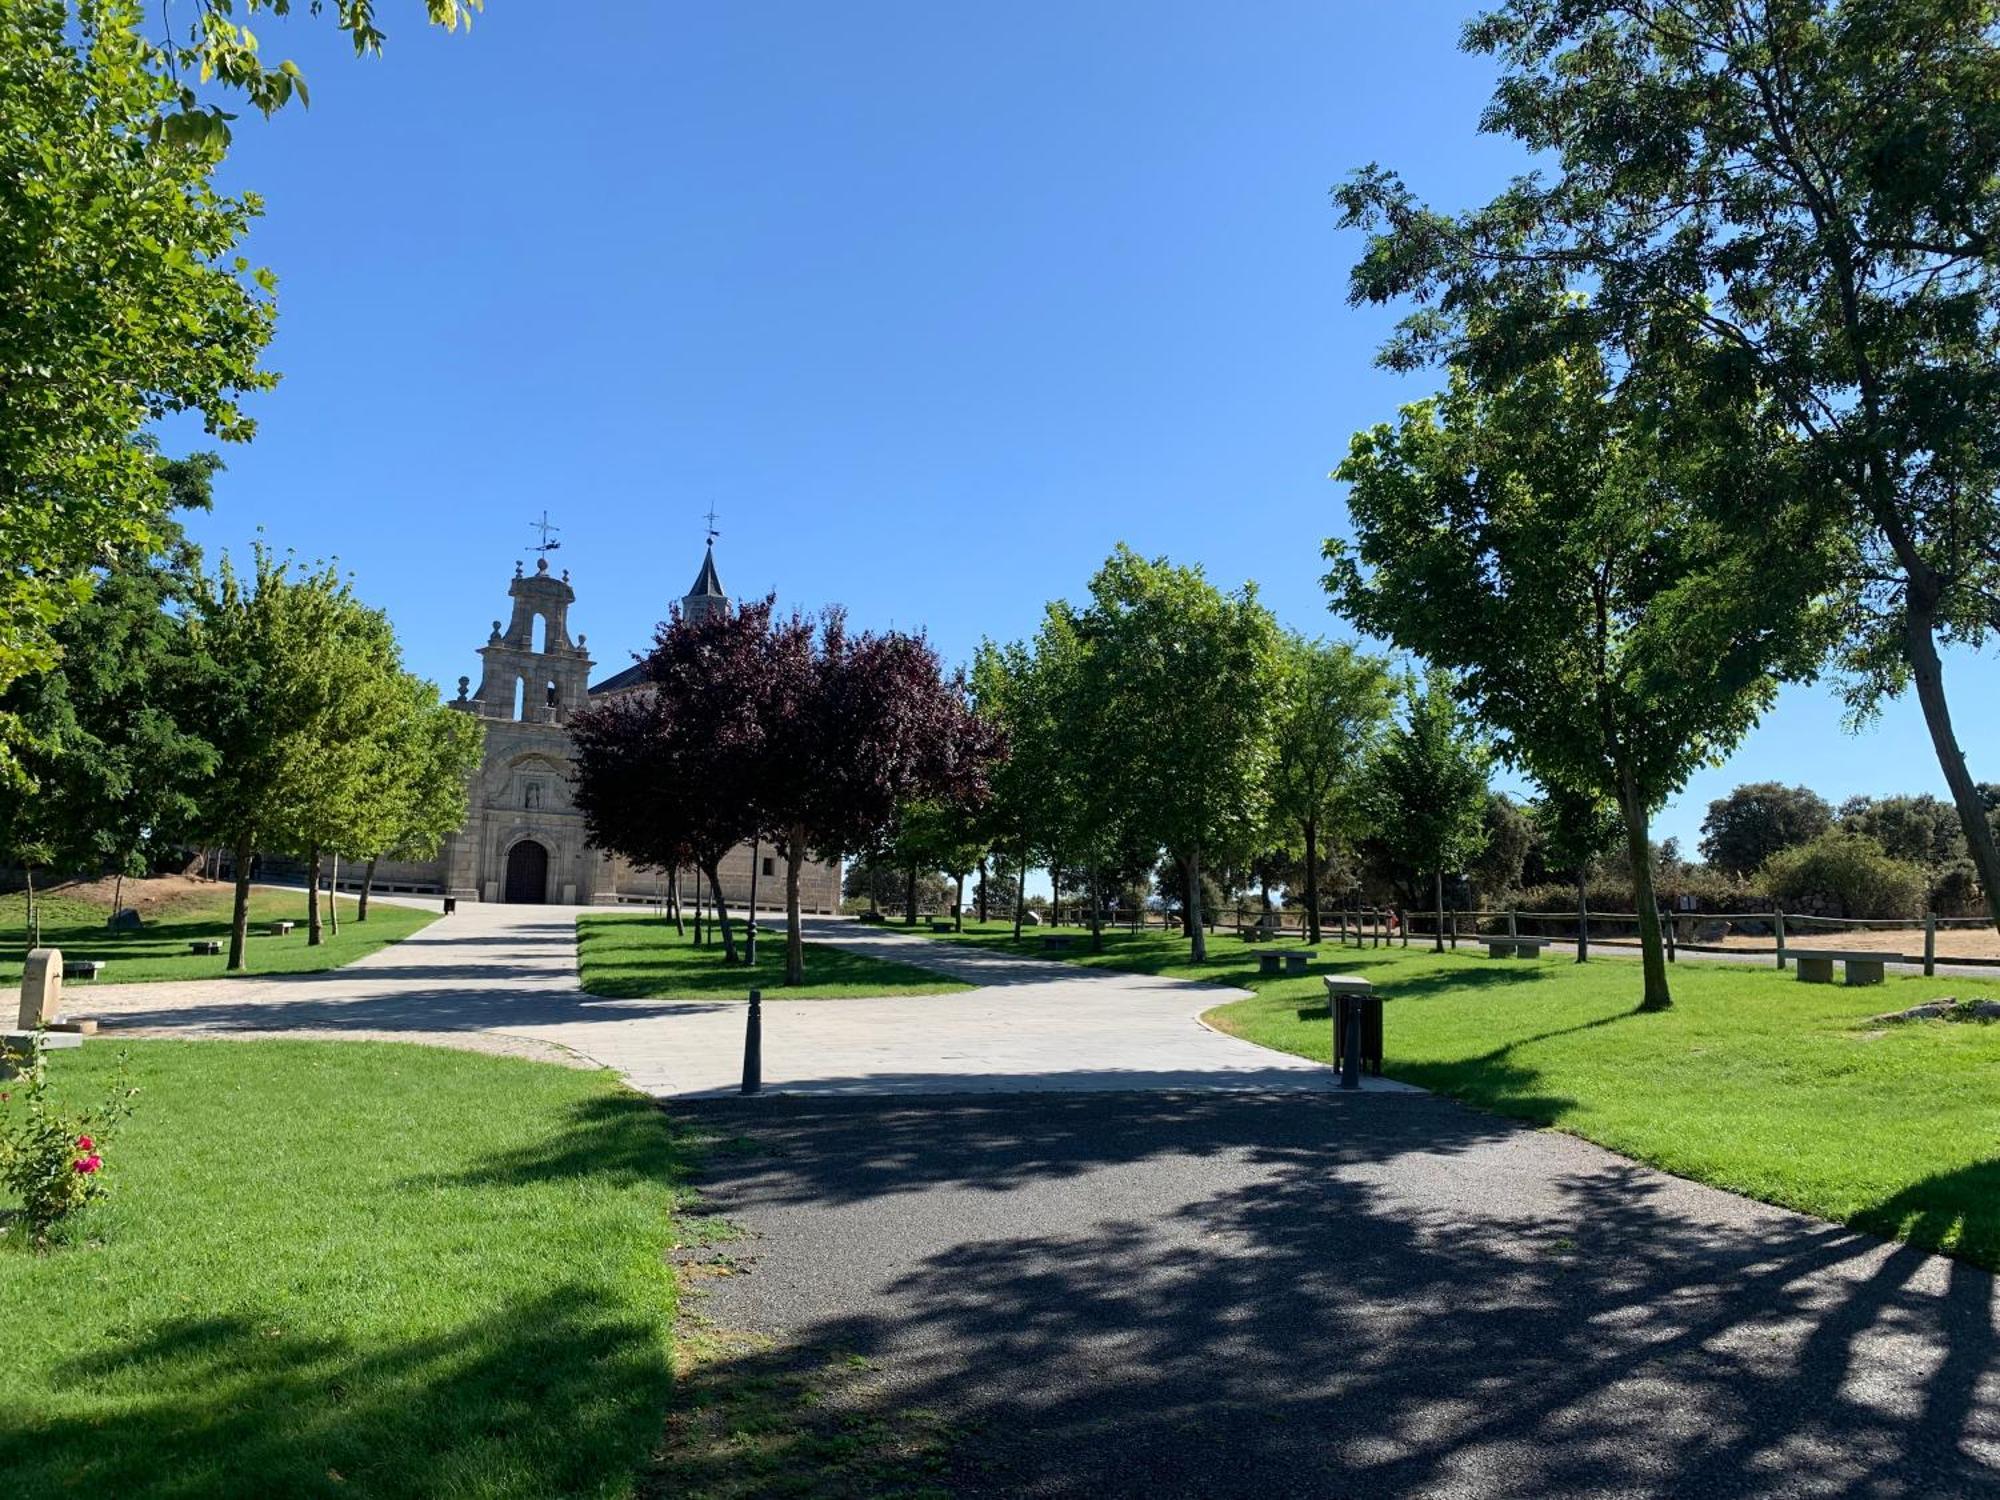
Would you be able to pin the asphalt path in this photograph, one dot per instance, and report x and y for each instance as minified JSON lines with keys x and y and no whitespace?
{"x":1229,"y":1294}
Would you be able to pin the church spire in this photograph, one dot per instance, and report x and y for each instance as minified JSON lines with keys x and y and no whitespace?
{"x":706,"y":597}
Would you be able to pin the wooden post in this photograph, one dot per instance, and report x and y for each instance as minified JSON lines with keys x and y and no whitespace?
{"x":1778,"y":925}
{"x":1930,"y":944}
{"x":1583,"y":934}
{"x":1513,"y":929}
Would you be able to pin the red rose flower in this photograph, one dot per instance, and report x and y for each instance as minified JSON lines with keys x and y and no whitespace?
{"x":84,"y":1143}
{"x":88,"y":1164}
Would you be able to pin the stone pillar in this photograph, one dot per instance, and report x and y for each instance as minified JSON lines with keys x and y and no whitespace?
{"x":41,"y":988}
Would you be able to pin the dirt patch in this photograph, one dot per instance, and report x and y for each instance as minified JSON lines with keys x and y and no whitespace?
{"x":1952,"y":942}
{"x":151,"y":895}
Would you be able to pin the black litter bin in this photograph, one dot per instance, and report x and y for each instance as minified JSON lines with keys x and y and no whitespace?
{"x":1371,"y":1030}
{"x":450,"y":905}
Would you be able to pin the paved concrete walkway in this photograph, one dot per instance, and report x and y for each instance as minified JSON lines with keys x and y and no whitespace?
{"x":504,"y":978}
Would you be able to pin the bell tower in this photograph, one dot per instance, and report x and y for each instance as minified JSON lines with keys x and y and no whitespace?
{"x":531,"y":670}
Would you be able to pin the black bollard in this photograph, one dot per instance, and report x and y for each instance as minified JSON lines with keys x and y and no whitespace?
{"x":753,"y":1045}
{"x":1350,"y":1062}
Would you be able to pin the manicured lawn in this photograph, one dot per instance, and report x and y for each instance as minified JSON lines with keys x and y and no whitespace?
{"x":353,"y":1269}
{"x":159,"y":950}
{"x":1753,"y":1081}
{"x":630,"y":957}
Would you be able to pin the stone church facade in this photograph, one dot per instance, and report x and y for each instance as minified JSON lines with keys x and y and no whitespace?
{"x":524,"y":838}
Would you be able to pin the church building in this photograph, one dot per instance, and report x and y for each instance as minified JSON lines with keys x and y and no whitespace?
{"x":524,"y":840}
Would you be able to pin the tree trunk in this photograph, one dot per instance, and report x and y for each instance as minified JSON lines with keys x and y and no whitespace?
{"x":1312,"y":880}
{"x":1096,"y":911}
{"x":1437,"y":890}
{"x":34,"y":922}
{"x":750,"y":930}
{"x":314,"y":935}
{"x":117,"y":892}
{"x":1652,"y":955}
{"x":1920,"y":646}
{"x":874,"y":903}
{"x":1583,"y":915}
{"x":1191,"y":869}
{"x":795,"y":947}
{"x":721,"y":910}
{"x":982,"y":892}
{"x":674,"y":900}
{"x":367,"y":884}
{"x":239,"y":920}
{"x":910,"y":899}
{"x":958,"y":907}
{"x":1021,"y":892}
{"x":1055,"y":893}
{"x":333,"y":898}
{"x":700,"y":935}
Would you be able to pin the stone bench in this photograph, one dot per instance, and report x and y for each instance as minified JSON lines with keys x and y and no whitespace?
{"x":1514,"y":947}
{"x":1816,"y":965}
{"x":940,"y":925}
{"x":282,"y":929}
{"x":1055,"y":940}
{"x":1293,"y":962}
{"x":206,"y":947}
{"x":82,"y":968}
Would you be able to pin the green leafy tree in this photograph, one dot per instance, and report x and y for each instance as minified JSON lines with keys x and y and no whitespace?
{"x":1333,"y":705}
{"x":124,"y":300}
{"x":278,"y":653}
{"x":1427,"y":787}
{"x":417,"y":792}
{"x":122,"y":296}
{"x":1920,"y":829}
{"x":1574,"y":830}
{"x":1186,"y":679}
{"x":1496,"y":871}
{"x":111,"y":752}
{"x":1552,"y":542}
{"x":1796,"y":199}
{"x":1758,"y":819}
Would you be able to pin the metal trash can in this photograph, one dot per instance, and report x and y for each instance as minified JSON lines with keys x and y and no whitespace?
{"x":450,"y":905}
{"x":1371,"y":1028}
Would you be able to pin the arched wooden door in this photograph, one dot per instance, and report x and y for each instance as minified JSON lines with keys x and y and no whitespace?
{"x":528,"y":873}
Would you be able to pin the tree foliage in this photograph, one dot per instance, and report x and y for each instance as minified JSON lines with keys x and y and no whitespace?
{"x":1427,"y":787}
{"x":1758,"y":819}
{"x":1552,"y":537}
{"x":1796,"y":202}
{"x":122,"y":299}
{"x":1333,"y":704}
{"x":1184,"y":680}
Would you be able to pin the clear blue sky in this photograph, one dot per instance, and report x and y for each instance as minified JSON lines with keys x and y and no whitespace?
{"x":935,"y":304}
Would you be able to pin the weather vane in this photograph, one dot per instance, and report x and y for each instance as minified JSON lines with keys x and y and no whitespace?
{"x":712,"y":532}
{"x":547,"y":531}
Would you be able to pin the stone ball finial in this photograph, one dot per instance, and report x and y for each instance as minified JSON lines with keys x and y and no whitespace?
{"x":541,"y":566}
{"x":517,"y":569}
{"x":496,"y":631}
{"x":565,"y":575}
{"x":464,"y":684}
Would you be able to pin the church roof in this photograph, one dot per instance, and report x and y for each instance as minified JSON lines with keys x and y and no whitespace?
{"x":632,"y":676}
{"x":707,"y":584}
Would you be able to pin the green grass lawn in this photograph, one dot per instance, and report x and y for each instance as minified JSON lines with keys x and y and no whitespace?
{"x":1753,"y":1081}
{"x":629,"y":957}
{"x":349,"y":1269}
{"x":159,"y":950}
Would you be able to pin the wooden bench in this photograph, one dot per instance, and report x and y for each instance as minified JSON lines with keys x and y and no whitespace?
{"x":1053,"y":940}
{"x":1514,"y":947}
{"x":206,"y":947}
{"x":1293,"y":962}
{"x":282,"y":929}
{"x":82,"y":968}
{"x":1816,"y":965}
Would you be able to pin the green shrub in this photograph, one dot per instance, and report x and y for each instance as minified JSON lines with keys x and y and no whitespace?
{"x":1845,"y":875}
{"x":1955,"y":890}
